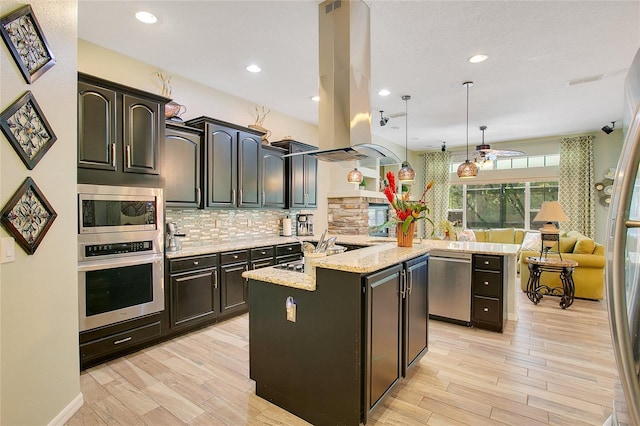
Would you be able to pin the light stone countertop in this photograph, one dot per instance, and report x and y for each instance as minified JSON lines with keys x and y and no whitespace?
{"x":223,"y":246}
{"x":382,"y":253}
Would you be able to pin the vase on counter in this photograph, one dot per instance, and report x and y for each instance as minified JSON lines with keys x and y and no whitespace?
{"x":447,"y":236}
{"x":405,"y":239}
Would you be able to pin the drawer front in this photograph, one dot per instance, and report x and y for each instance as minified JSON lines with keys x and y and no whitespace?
{"x":287,"y":259}
{"x":487,"y":284}
{"x":288,"y":249}
{"x":192,"y":263}
{"x":262,"y":253}
{"x":118,"y":341}
{"x":490,"y":263}
{"x":234,"y":257}
{"x":486,"y":310}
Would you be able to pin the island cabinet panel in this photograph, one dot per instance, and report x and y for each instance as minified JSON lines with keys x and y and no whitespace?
{"x":416,"y":311}
{"x":489,"y":305}
{"x":345,"y":345}
{"x":233,"y":287}
{"x":119,"y":133}
{"x":232,"y":164}
{"x":181,"y":166}
{"x":311,"y":367}
{"x":383,"y":334}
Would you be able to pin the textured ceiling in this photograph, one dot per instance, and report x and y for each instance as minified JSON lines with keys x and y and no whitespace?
{"x":419,"y":48}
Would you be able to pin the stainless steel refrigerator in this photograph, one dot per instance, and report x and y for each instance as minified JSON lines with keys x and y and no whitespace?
{"x":623,"y":257}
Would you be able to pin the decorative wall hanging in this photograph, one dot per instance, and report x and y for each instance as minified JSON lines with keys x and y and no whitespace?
{"x":605,"y":187}
{"x":24,"y":38}
{"x":28,"y":216}
{"x":27,"y":129}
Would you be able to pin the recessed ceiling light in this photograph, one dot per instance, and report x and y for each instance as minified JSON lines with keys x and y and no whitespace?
{"x":315,"y":98}
{"x":146,"y":17}
{"x":478,"y":58}
{"x":384,"y":92}
{"x":254,"y":68}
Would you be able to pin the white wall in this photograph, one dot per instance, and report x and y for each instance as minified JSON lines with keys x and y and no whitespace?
{"x":39,"y":367}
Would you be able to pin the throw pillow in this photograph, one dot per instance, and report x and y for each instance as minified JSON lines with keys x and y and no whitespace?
{"x":503,"y":236}
{"x":531,"y":241}
{"x":567,"y":244}
{"x":584,"y":246}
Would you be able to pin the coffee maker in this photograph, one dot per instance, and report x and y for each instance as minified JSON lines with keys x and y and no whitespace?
{"x":173,"y":243}
{"x":304,"y":224}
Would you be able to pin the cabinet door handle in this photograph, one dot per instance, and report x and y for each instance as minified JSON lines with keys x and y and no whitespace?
{"x":235,"y":256}
{"x":410,"y":282}
{"x":198,"y":196}
{"x":233,"y":197}
{"x":263,"y":252}
{"x":240,"y":196}
{"x":113,"y":155}
{"x":486,"y":283}
{"x":128,"y":156}
{"x":195,"y":262}
{"x":126,"y":339}
{"x":263,"y":196}
{"x":246,"y":268}
{"x":289,"y":248}
{"x":486,"y":262}
{"x":486,"y":309}
{"x":214,"y":277}
{"x":403,"y":283}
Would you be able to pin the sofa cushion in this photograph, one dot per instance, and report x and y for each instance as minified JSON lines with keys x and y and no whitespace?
{"x":567,"y":244}
{"x":481,"y":235}
{"x":503,"y":236}
{"x":584,"y":246}
{"x":518,"y":236}
{"x":531,"y":241}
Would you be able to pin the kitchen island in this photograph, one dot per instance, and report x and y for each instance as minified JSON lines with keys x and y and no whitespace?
{"x":328,"y":347}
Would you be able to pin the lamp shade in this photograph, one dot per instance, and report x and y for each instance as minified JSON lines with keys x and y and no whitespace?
{"x":406,"y":174}
{"x":551,"y":211}
{"x":467,"y":170}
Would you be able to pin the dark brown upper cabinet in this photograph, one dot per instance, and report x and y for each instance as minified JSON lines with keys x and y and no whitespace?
{"x":181,"y":166}
{"x":302,"y":175}
{"x":273,"y":177}
{"x":232,"y":164}
{"x":119,"y":130}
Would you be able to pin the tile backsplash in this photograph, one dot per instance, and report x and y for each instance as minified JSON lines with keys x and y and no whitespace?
{"x":206,"y":227}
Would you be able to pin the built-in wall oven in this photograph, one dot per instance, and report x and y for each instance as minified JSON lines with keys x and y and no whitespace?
{"x":120,"y":253}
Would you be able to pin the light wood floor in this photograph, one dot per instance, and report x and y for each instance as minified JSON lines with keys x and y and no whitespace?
{"x":552,"y":367}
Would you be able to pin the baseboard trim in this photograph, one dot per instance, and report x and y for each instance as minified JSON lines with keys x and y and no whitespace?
{"x":68,"y":411}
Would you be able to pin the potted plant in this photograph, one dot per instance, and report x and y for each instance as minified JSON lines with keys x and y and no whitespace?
{"x":407,"y":212}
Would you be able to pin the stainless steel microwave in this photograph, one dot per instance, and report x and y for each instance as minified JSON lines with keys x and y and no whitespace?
{"x":105,"y":209}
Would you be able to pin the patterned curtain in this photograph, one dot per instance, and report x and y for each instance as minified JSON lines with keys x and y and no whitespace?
{"x":436,"y":168}
{"x":576,"y":192}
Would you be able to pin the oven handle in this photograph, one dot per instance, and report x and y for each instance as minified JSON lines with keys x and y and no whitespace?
{"x":116,"y":263}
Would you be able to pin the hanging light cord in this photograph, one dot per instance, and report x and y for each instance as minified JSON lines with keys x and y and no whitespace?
{"x":467,"y":84}
{"x":406,"y":124}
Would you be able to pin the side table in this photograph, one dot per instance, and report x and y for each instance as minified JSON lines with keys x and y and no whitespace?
{"x":538,"y":265}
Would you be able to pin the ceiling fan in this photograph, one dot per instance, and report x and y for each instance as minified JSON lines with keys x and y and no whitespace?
{"x":487,"y":153}
{"x":384,"y":119}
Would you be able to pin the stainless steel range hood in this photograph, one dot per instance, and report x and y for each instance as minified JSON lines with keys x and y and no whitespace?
{"x":345,"y":75}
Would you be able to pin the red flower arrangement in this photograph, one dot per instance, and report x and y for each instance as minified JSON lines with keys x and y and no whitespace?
{"x":406,"y":211}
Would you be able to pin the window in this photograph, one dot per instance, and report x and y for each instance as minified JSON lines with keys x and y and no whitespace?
{"x":502,"y":205}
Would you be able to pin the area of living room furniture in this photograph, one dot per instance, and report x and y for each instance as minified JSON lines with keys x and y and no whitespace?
{"x":588,"y":276}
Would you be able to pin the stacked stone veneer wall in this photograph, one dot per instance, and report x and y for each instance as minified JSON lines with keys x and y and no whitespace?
{"x":207,"y":227}
{"x":349,"y":215}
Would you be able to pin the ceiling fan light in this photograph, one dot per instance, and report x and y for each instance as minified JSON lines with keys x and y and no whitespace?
{"x":406,"y":174}
{"x":355,"y":176}
{"x":467,"y":170}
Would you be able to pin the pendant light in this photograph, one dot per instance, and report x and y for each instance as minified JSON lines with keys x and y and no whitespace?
{"x":355,"y":176}
{"x":406,"y":174}
{"x":467,"y":169}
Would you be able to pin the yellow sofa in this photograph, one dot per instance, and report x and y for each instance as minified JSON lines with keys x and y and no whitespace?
{"x":499,"y":235}
{"x":588,"y":276}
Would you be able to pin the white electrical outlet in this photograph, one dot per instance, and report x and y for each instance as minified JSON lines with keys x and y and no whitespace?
{"x":290,"y":305}
{"x":7,"y":250}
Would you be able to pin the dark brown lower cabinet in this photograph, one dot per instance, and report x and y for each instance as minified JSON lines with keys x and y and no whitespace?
{"x":352,"y":338}
{"x":233,"y":287}
{"x":489,"y":305}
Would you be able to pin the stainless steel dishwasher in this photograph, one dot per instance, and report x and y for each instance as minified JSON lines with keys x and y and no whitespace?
{"x":450,"y":286}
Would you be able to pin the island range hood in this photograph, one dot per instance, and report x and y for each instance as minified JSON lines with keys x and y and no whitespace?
{"x":345,"y":74}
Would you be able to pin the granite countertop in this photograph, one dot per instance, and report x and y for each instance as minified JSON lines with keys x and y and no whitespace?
{"x":230,"y":246}
{"x":381,"y":253}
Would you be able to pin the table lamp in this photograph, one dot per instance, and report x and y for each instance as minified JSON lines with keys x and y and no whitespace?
{"x":550,"y":235}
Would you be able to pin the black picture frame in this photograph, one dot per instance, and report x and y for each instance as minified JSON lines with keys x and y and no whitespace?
{"x":28,"y":216}
{"x":25,"y":40}
{"x":27,"y":130}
